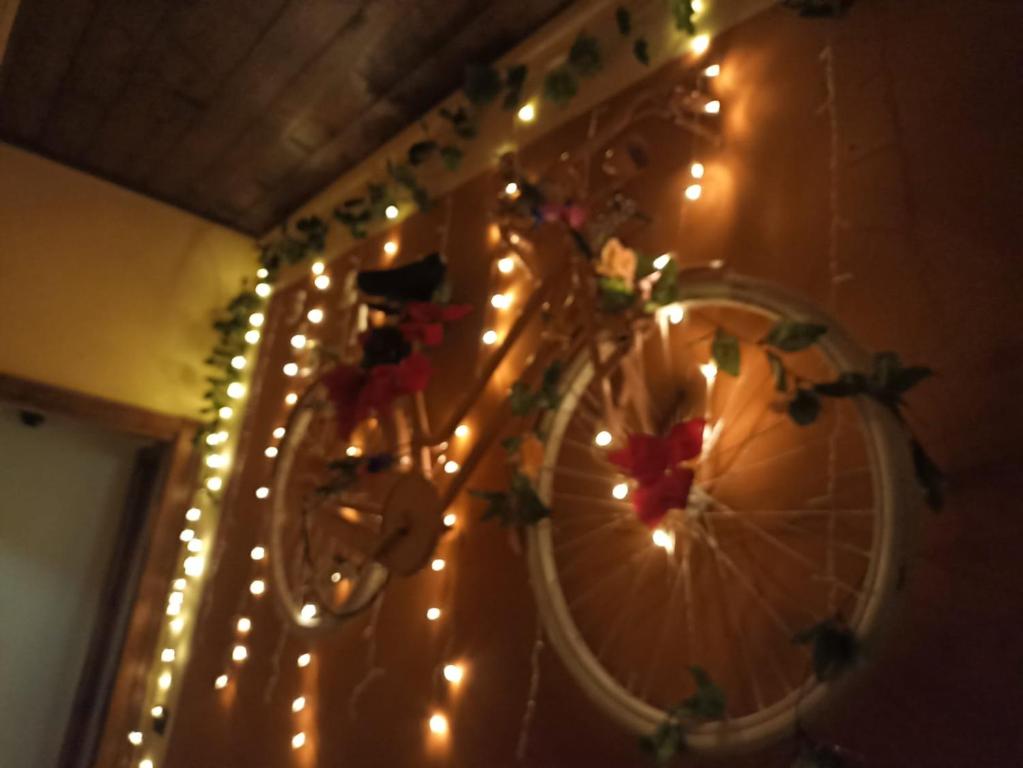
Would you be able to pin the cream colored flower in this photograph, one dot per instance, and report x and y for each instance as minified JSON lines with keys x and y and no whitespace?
{"x":617,"y":261}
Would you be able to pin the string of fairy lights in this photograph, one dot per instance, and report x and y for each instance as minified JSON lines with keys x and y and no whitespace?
{"x":201,"y":519}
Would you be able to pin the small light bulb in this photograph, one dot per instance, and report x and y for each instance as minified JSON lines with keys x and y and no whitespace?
{"x":353,"y":450}
{"x":193,"y":514}
{"x":257,"y":587}
{"x":317,"y":267}
{"x":298,"y":341}
{"x":290,"y":369}
{"x":235,"y":390}
{"x":176,"y":597}
{"x":322,"y":282}
{"x":256,"y":319}
{"x":291,"y":398}
{"x":713,"y":70}
{"x":315,"y":315}
{"x":220,"y":683}
{"x":450,"y":519}
{"x":179,"y":584}
{"x":279,"y":432}
{"x":244,"y":625}
{"x":696,"y":170}
{"x":216,"y":461}
{"x":514,"y":238}
{"x":712,"y":107}
{"x":335,"y":577}
{"x":213,"y":438}
{"x":146,"y":763}
{"x":662,"y":261}
{"x":664,"y":539}
{"x":697,"y":6}
{"x":603,"y":438}
{"x":262,"y":273}
{"x":438,"y":724}
{"x":271,"y":451}
{"x":252,"y":336}
{"x":709,"y":371}
{"x":177,"y":625}
{"x":135,"y":737}
{"x":308,"y":611}
{"x":257,"y":553}
{"x":511,"y":188}
{"x":262,"y":290}
{"x":298,"y":740}
{"x":438,"y":564}
{"x":453,"y":673}
{"x":620,"y":491}
{"x":700,"y":44}
{"x":214,"y":483}
{"x":194,"y":565}
{"x":693,"y":192}
{"x":676,"y":314}
{"x":500,"y":301}
{"x":490,"y":337}
{"x":462,"y":430}
{"x":239,"y":653}
{"x":303,"y":660}
{"x":505,"y":265}
{"x":451,"y":467}
{"x":391,"y":211}
{"x":186,"y":535}
{"x":238,"y":362}
{"x":527,"y":112}
{"x":226,"y":412}
{"x":298,"y":704}
{"x":194,"y":546}
{"x":165,"y":680}
{"x":390,"y":248}
{"x":157,"y":711}
{"x":433,"y":614}
{"x":167,"y":655}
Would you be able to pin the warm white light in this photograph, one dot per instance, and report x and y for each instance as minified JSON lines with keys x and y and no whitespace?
{"x":700,"y":44}
{"x":262,"y":492}
{"x":257,"y":553}
{"x":256,"y":319}
{"x":257,"y":587}
{"x":194,"y":565}
{"x":322,"y":282}
{"x":451,"y":467}
{"x":709,"y":371}
{"x":244,"y":625}
{"x":156,"y":711}
{"x":505,"y":265}
{"x":303,"y":660}
{"x":500,"y":301}
{"x":194,"y":546}
{"x":235,"y":390}
{"x":664,"y":539}
{"x":238,"y":362}
{"x":489,"y":337}
{"x":603,"y":438}
{"x":462,"y":430}
{"x":291,"y":398}
{"x":317,"y":267}
{"x":252,"y":336}
{"x":693,"y":192}
{"x":433,"y":614}
{"x":175,"y":598}
{"x":662,"y":261}
{"x":713,"y":70}
{"x":146,"y":763}
{"x":391,"y":211}
{"x":213,"y":438}
{"x":226,"y":412}
{"x":216,"y":461}
{"x":165,"y":680}
{"x":214,"y":483}
{"x":335,"y":577}
{"x":220,"y":683}
{"x":527,"y":112}
{"x":453,"y":673}
{"x":712,"y":107}
{"x":514,"y":238}
{"x":177,"y":625}
{"x":298,"y":704}
{"x":239,"y":653}
{"x":620,"y":491}
{"x":262,"y":273}
{"x":135,"y":737}
{"x":676,"y":314}
{"x":298,"y":341}
{"x":315,"y":315}
{"x":279,"y":432}
{"x":438,"y":564}
{"x":167,"y":655}
{"x":179,"y":584}
{"x":308,"y":611}
{"x":271,"y":452}
{"x":187,"y":534}
{"x":696,"y":170}
{"x":511,"y":188}
{"x":298,"y":740}
{"x":290,"y":369}
{"x":390,"y":248}
{"x":262,"y":290}
{"x":353,"y":450}
{"x":450,"y":519}
{"x":438,"y":724}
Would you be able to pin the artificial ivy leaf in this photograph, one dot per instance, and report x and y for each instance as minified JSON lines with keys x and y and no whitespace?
{"x":462,"y":122}
{"x":498,"y":504}
{"x":406,"y":177}
{"x":584,"y":55}
{"x":482,"y":84}
{"x":835,"y":648}
{"x":560,"y":86}
{"x":804,"y":407}
{"x":512,"y":444}
{"x":708,"y":703}
{"x":777,"y":371}
{"x":420,"y":152}
{"x":929,"y":476}
{"x":521,"y":400}
{"x":724,"y":350}
{"x":614,"y":295}
{"x":847,"y":384}
{"x":549,"y":395}
{"x":641,"y":50}
{"x":451,"y":156}
{"x":665,"y":290}
{"x":528,"y":507}
{"x":792,"y":335}
{"x":514,"y":79}
{"x":664,"y":744}
{"x":624,"y":20}
{"x":682,"y":12}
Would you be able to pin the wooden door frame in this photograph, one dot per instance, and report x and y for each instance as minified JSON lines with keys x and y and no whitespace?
{"x":112,"y":684}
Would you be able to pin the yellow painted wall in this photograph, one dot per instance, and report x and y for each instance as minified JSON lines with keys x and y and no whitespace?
{"x":105,"y":291}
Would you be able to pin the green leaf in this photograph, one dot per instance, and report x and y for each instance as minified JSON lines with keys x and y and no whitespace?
{"x":724,"y":350}
{"x":521,"y":400}
{"x":665,"y":290}
{"x":549,"y":396}
{"x":777,"y":371}
{"x":792,"y":335}
{"x":518,"y":506}
{"x":804,"y":407}
{"x":584,"y":56}
{"x":482,"y":84}
{"x":560,"y":86}
{"x":463,"y":123}
{"x":420,"y":152}
{"x":406,"y":178}
{"x":613,"y":295}
{"x":451,"y":156}
{"x":624,"y":21}
{"x":514,"y":79}
{"x":682,"y":12}
{"x":641,"y":50}
{"x":847,"y":384}
{"x":835,"y":648}
{"x":512,"y":444}
{"x":665,"y":743}
{"x":929,"y":476}
{"x":708,"y":703}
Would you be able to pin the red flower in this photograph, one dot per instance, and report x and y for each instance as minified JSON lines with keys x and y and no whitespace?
{"x":344,"y":384}
{"x":669,"y":491}
{"x":644,"y":458}
{"x":424,"y":321}
{"x":685,"y":441}
{"x":573,"y":214}
{"x":414,"y":373}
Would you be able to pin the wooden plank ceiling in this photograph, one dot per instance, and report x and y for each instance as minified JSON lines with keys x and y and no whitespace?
{"x":238,"y":110}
